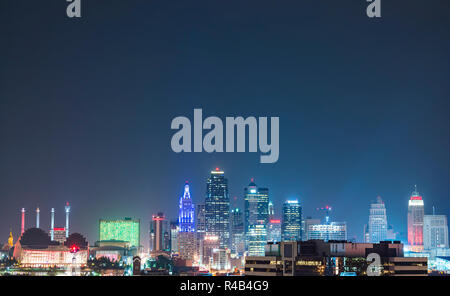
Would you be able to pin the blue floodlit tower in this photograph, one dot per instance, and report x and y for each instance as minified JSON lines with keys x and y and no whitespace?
{"x":186,"y":212}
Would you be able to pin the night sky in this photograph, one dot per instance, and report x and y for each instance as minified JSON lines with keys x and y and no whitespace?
{"x":86,"y":105}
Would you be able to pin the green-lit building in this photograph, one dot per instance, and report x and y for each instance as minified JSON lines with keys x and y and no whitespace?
{"x":126,"y":229}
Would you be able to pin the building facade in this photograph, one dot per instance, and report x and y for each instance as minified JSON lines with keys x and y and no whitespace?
{"x":186,"y":221}
{"x":378,"y":225}
{"x":326,"y":232}
{"x":217,"y":208}
{"x":256,"y":218}
{"x":435,"y":232}
{"x":415,"y":221}
{"x":126,"y":229}
{"x":237,"y":232}
{"x":291,"y":227}
{"x":159,"y":233}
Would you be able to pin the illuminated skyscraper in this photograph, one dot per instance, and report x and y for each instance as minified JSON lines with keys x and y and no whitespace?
{"x":157,"y":233}
{"x":291,"y":228}
{"x":174,"y":228}
{"x":126,"y":229}
{"x":415,"y":221}
{"x":256,"y":218}
{"x":186,"y":234}
{"x":237,"y":232}
{"x":217,"y":208}
{"x":377,"y":227}
{"x":200,"y":224}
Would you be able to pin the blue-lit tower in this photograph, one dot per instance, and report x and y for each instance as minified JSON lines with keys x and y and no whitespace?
{"x":186,"y":212}
{"x":186,"y":223}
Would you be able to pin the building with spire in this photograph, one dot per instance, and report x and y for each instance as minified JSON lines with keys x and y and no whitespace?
{"x":186,"y":222}
{"x":415,"y":221}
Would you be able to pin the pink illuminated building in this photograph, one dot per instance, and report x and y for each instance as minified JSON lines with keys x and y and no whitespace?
{"x":415,"y":222}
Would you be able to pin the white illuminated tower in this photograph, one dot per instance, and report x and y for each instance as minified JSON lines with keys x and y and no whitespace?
{"x":37,"y":217}
{"x":67,"y":218}
{"x":52,"y":225}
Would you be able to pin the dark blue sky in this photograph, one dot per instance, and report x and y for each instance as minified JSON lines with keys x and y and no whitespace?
{"x":86,"y":105}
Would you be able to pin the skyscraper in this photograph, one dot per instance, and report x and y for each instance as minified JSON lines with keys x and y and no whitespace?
{"x":377,"y":227}
{"x":291,"y":227}
{"x":157,"y":232}
{"x":237,"y":232}
{"x":217,"y":208}
{"x":174,"y":228}
{"x":415,"y":221}
{"x":200,"y":225}
{"x":256,"y":218}
{"x":435,"y":232}
{"x":186,"y":222}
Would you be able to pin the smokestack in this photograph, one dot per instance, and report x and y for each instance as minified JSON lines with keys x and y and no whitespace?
{"x":67,"y":219}
{"x":22,"y":229}
{"x":52,"y":227}
{"x":37,"y":217}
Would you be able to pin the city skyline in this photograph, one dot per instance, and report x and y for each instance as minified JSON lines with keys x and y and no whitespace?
{"x":362,"y":106}
{"x":32,"y":221}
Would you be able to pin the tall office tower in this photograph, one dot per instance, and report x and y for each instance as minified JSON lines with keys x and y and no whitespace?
{"x":67,"y":208}
{"x":271,"y":211}
{"x":186,"y":235}
{"x":126,"y":230}
{"x":377,"y":226}
{"x":37,"y":217}
{"x":326,"y":232}
{"x":200,"y":224}
{"x":217,"y":208}
{"x":291,"y":227}
{"x":435,"y":232}
{"x":174,"y":228}
{"x":274,"y":230}
{"x":157,"y":230}
{"x":52,"y":225}
{"x":256,"y":218}
{"x":237,"y":232}
{"x":22,"y":227}
{"x":415,"y":221}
